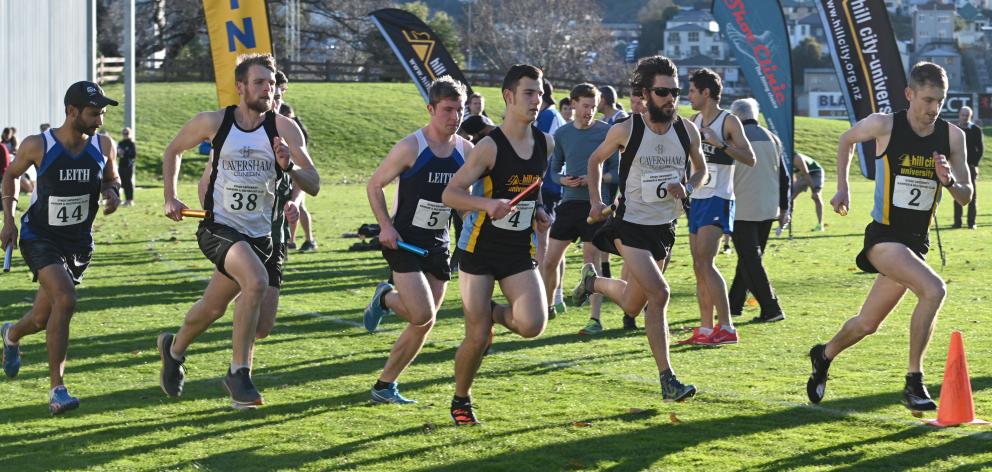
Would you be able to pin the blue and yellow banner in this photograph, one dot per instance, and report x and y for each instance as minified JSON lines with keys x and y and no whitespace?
{"x":235,"y":27}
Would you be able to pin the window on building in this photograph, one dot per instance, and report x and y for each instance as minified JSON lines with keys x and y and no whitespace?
{"x":714,"y":50}
{"x":673,"y":37}
{"x":693,"y":36}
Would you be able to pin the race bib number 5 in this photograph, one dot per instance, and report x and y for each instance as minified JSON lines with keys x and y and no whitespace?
{"x":519,"y":220}
{"x":654,"y":186}
{"x":239,"y":198}
{"x":913,"y":193}
{"x":431,"y":215}
{"x":65,"y":211}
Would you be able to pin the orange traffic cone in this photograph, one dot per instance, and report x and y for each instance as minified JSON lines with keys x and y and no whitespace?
{"x":956,"y":405}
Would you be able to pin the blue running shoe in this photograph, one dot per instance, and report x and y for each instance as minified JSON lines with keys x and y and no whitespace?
{"x":11,"y":354}
{"x":61,"y":401}
{"x":390,"y":394}
{"x":375,"y":311}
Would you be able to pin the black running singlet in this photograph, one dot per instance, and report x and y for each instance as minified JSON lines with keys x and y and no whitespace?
{"x":906,"y":186}
{"x":64,"y":201}
{"x":421,"y":218}
{"x":509,"y":176}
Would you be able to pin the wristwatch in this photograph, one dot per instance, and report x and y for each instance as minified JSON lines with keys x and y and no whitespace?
{"x":950,"y":183}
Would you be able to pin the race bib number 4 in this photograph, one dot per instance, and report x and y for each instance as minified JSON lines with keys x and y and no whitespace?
{"x":913,"y":193}
{"x":240,"y":198}
{"x":654,"y":186}
{"x":431,"y":215}
{"x":65,"y":211}
{"x":518,"y":220}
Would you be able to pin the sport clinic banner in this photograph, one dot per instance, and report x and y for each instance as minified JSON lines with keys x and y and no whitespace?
{"x":756,"y":33}
{"x":867,"y":62}
{"x":417,"y":47}
{"x":235,"y":27}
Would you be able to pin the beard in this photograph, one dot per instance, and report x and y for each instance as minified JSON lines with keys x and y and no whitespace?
{"x":260,"y":105}
{"x":81,"y":127}
{"x":659,"y":114}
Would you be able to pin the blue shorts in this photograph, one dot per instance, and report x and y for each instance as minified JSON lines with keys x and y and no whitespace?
{"x":714,"y":211}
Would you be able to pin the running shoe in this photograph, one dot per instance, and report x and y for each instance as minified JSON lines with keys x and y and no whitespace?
{"x":629,"y":323}
{"x":552,"y":312}
{"x":580,"y":295}
{"x":674,"y":391}
{"x":291,"y":245}
{"x":817,"y":228}
{"x":721,"y":336}
{"x":390,"y":394}
{"x":309,"y":246}
{"x":374,"y":312}
{"x":726,"y":248}
{"x":697,"y":338}
{"x":11,"y":353}
{"x":915,"y":396}
{"x":173,"y":374}
{"x":464,"y":416}
{"x":816,"y":386}
{"x":60,"y":401}
{"x":243,"y":393}
{"x":560,"y":307}
{"x":592,"y":328}
{"x":765,"y":318}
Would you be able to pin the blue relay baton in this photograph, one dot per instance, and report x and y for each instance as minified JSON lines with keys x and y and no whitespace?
{"x":7,"y":256}
{"x":411,"y":248}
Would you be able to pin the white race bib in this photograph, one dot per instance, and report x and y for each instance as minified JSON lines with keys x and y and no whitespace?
{"x":654,"y":185}
{"x":713,"y":175}
{"x":242,"y":198}
{"x":66,"y":211}
{"x":519,"y":220}
{"x":913,"y":193}
{"x":431,"y":215}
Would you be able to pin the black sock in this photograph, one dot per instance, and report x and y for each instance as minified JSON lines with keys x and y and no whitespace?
{"x":594,"y":319}
{"x":382,"y":299}
{"x":667,"y":374}
{"x":605,"y":269}
{"x":380,"y":385}
{"x":461,"y":402}
{"x":914,"y":378}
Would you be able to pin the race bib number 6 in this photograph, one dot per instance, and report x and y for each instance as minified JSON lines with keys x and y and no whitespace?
{"x":654,"y":186}
{"x":913,"y":193}
{"x":65,"y":211}
{"x":239,"y":198}
{"x":431,"y":215}
{"x":519,"y":220}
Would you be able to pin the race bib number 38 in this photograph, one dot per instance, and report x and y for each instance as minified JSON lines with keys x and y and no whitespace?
{"x":654,"y":186}
{"x":65,"y":211}
{"x":240,"y":198}
{"x":913,"y":193}
{"x":518,"y":220}
{"x":431,"y":215}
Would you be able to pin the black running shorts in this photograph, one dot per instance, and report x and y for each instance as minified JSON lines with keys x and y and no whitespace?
{"x":434,"y":263}
{"x":570,"y":222}
{"x":500,"y":266}
{"x":274,"y":265}
{"x":658,"y":239}
{"x":215,"y":241}
{"x":41,"y":253}
{"x":876,"y":233}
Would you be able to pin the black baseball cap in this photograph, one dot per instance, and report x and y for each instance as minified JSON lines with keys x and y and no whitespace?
{"x":87,"y":94}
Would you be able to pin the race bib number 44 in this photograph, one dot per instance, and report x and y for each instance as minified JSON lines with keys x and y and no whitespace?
{"x":518,"y":220}
{"x":654,"y":186}
{"x":913,"y":193}
{"x":431,"y":215}
{"x":65,"y":211}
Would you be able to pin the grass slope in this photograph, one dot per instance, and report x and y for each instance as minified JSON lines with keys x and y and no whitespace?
{"x":352,"y":125}
{"x":316,"y":369}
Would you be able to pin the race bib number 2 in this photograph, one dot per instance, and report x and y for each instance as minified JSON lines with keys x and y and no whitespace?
{"x":65,"y":211}
{"x":519,"y":220}
{"x":913,"y":193}
{"x":431,"y":215}
{"x":654,"y":186}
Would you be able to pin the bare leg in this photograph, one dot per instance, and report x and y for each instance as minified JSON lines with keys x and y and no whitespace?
{"x":477,"y":295}
{"x":711,"y":287}
{"x":819,"y":207}
{"x":550,"y":268}
{"x":646,"y":278}
{"x":34,"y":320}
{"x":61,"y":292}
{"x":306,"y":221}
{"x":209,"y":308}
{"x":527,"y":314}
{"x":249,"y":273}
{"x":420,"y":297}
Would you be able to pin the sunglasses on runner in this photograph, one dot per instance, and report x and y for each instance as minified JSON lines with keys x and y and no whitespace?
{"x":662,"y":92}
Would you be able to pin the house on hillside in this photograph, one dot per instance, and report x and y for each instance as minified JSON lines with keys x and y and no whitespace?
{"x":693,"y":33}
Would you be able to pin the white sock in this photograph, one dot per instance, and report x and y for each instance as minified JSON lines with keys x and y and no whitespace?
{"x":559,"y":295}
{"x":6,"y":339}
{"x":175,"y":356}
{"x":729,"y":329}
{"x":51,"y":393}
{"x":236,"y":367}
{"x":705,"y":331}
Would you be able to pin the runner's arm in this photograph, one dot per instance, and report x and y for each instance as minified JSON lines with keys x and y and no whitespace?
{"x":738,"y":146}
{"x":304,"y":173}
{"x":30,"y":154}
{"x":962,"y":188}
{"x":616,"y":140}
{"x":799,"y":163}
{"x":699,"y":170}
{"x":111,"y":186}
{"x":872,"y":127}
{"x":399,"y":159}
{"x":200,"y":127}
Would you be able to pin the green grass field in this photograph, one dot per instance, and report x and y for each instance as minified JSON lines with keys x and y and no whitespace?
{"x":317,"y":367}
{"x":353,"y":125}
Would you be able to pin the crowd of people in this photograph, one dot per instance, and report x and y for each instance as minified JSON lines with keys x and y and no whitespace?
{"x":617,"y":185}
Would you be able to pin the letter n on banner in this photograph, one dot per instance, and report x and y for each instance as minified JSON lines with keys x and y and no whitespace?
{"x":235,"y":27}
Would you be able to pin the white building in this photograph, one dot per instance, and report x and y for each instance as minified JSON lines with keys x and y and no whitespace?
{"x":694,"y":33}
